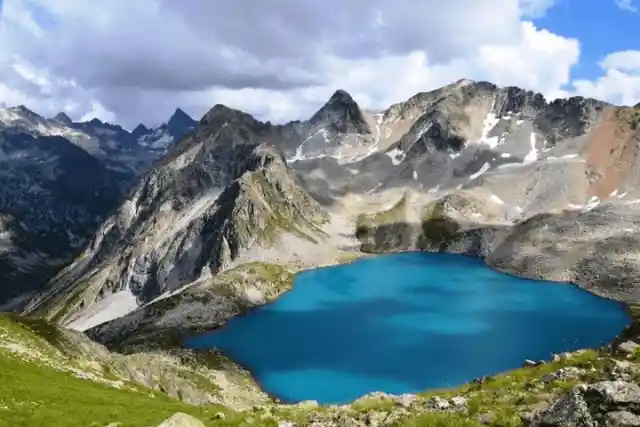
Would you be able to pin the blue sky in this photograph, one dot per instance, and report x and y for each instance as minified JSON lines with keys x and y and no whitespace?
{"x":601,"y":27}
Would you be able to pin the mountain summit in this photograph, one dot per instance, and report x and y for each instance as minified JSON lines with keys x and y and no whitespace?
{"x":62,"y":118}
{"x":180,"y":124}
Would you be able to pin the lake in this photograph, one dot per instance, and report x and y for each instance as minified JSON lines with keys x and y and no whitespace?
{"x":405,"y":323}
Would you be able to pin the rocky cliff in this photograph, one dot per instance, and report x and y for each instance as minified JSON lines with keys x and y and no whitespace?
{"x":220,"y":194}
{"x":59,"y":181}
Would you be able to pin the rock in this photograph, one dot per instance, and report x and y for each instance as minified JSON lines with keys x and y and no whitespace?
{"x":563,"y":374}
{"x":529,"y":363}
{"x":569,"y":411}
{"x":437,"y":403}
{"x":622,"y":419}
{"x":219,"y":416}
{"x":627,"y":348}
{"x":181,"y":420}
{"x":376,"y":418}
{"x":405,"y":400}
{"x":286,"y":424}
{"x":614,"y":395}
{"x":458,"y":401}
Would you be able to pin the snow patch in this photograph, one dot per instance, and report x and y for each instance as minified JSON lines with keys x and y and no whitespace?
{"x":415,"y":175}
{"x":112,"y":307}
{"x":505,"y":155}
{"x":496,"y":199}
{"x":489,"y":122}
{"x":482,"y":170}
{"x":532,"y":156}
{"x":396,"y":155}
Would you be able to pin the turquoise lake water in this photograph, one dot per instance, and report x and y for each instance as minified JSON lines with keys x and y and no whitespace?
{"x":405,"y":323}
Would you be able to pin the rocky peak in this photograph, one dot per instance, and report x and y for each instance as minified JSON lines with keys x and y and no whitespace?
{"x":140,"y":130}
{"x":180,"y":123}
{"x":62,"y":119}
{"x":342,"y":114}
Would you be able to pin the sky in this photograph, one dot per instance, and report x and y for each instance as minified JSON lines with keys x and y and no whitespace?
{"x":136,"y":61}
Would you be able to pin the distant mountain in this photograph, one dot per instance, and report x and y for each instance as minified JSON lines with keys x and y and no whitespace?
{"x":53,"y":195}
{"x":58,"y":181}
{"x":158,"y":140}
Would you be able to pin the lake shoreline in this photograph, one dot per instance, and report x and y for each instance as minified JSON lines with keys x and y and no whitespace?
{"x":627,"y":307}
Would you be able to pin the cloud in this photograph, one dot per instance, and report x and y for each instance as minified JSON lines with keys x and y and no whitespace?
{"x":280,"y":60}
{"x":620,"y":83}
{"x":626,"y":5}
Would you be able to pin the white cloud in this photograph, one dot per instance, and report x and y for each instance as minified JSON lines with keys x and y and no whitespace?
{"x":626,"y":5}
{"x":620,"y":83}
{"x":138,"y":61}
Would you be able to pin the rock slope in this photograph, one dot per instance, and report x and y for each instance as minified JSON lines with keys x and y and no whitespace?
{"x":59,"y":181}
{"x":220,"y":194}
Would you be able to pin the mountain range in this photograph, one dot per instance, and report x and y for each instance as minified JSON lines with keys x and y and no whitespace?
{"x":59,"y":180}
{"x":136,"y":237}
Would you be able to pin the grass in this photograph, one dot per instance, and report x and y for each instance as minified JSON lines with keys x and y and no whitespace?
{"x":34,"y":395}
{"x":395,"y":214}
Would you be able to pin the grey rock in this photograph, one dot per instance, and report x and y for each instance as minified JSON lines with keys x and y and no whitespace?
{"x":563,"y":374}
{"x":437,"y":403}
{"x":181,"y":420}
{"x":570,"y":411}
{"x":622,"y":419}
{"x":627,"y":347}
{"x":458,"y":401}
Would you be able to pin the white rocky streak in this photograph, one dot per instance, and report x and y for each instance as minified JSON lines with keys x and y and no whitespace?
{"x":396,"y":155}
{"x":115,"y":305}
{"x":482,"y":170}
{"x":496,"y":199}
{"x":532,"y":156}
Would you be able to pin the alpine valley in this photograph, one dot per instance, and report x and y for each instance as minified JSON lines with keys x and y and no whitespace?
{"x":114,"y":244}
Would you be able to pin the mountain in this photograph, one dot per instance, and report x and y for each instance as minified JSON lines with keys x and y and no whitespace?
{"x":112,"y":145}
{"x":53,"y":196}
{"x":224,"y":218}
{"x":472,"y":152}
{"x":160,"y":139}
{"x":59,"y":182}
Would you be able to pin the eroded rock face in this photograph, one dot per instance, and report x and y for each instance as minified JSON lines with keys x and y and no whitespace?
{"x":607,"y":403}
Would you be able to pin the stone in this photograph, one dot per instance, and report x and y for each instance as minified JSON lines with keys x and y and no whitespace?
{"x":614,"y":394}
{"x":437,"y":403}
{"x":376,"y":418}
{"x":180,"y":419}
{"x":563,"y":374}
{"x":219,"y":416}
{"x":622,"y":419}
{"x":627,"y":348}
{"x":458,"y":401}
{"x":405,"y":400}
{"x":569,"y":411}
